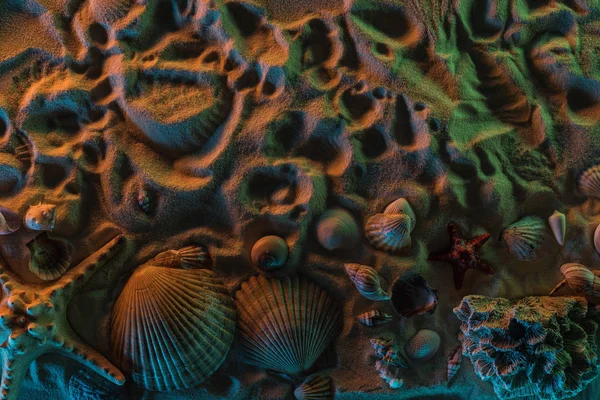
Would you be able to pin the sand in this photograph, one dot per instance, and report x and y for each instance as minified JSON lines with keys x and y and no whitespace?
{"x":234,"y":120}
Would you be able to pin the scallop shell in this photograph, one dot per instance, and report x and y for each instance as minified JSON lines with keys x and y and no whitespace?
{"x":337,"y":229}
{"x":9,"y":221}
{"x":269,"y":252}
{"x":82,"y":386}
{"x":401,"y":205}
{"x":389,"y":232}
{"x":315,"y":388}
{"x":525,"y":238}
{"x":172,"y":327}
{"x":423,"y":345}
{"x":558,"y":224}
{"x":454,"y":362}
{"x":285,"y":324}
{"x":188,"y":257}
{"x":367,"y":281}
{"x":50,"y":258}
{"x":374,"y":317}
{"x":411,"y":295}
{"x":579,"y":278}
{"x":588,"y":182}
{"x":597,"y":239}
{"x":40,"y":217}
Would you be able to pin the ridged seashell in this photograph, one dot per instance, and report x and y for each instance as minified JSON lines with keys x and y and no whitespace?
{"x":389,"y":232}
{"x":40,"y":217}
{"x":269,"y":252}
{"x":558,"y":224}
{"x":374,"y":317}
{"x":172,"y":327}
{"x":580,"y":279}
{"x":597,"y":239}
{"x":389,"y":352}
{"x":454,"y":363}
{"x":188,"y":257}
{"x":367,"y":281}
{"x":524,"y":238}
{"x":9,"y":221}
{"x":82,"y":386}
{"x":285,"y":324}
{"x":144,"y":201}
{"x":411,"y":295}
{"x":380,"y":346}
{"x":337,"y":229}
{"x":401,"y":205}
{"x":315,"y":388}
{"x":50,"y":258}
{"x":588,"y":182}
{"x":423,"y":345}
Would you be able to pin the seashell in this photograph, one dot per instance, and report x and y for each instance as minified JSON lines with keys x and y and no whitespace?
{"x":389,"y":232}
{"x":423,"y":345}
{"x":389,"y":374}
{"x":269,"y":252}
{"x":82,"y":386}
{"x":50,"y":258}
{"x":144,"y":201}
{"x":558,"y":224}
{"x":172,"y":327}
{"x":579,"y":278}
{"x":316,"y":388}
{"x":524,"y":238}
{"x":285,"y":324}
{"x":389,"y":352}
{"x":411,"y":295}
{"x":40,"y":217}
{"x":399,"y":206}
{"x":9,"y":221}
{"x":381,"y":346}
{"x":597,"y":239}
{"x":588,"y":182}
{"x":454,"y":362}
{"x":367,"y":281}
{"x":188,"y":257}
{"x":337,"y":229}
{"x":374,"y":317}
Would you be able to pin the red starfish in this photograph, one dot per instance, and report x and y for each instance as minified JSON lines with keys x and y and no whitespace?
{"x":462,"y":254}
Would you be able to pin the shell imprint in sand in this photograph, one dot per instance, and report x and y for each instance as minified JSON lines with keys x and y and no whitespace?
{"x":525,"y":238}
{"x":188,"y":257}
{"x":40,"y":217}
{"x":588,"y":182}
{"x":285,"y":324}
{"x":411,"y":295}
{"x":390,"y":232}
{"x":373,"y":318}
{"x":367,"y":281}
{"x":423,"y":345}
{"x":9,"y":221}
{"x":580,"y":279}
{"x":337,"y":229}
{"x":316,"y":387}
{"x":50,"y":258}
{"x":269,"y":252}
{"x":558,"y":224}
{"x":172,"y":328}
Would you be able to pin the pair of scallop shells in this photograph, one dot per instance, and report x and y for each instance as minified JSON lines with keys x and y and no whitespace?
{"x":526,"y":238}
{"x":390,"y":231}
{"x":269,"y":252}
{"x":367,"y":281}
{"x":580,"y":279}
{"x":337,"y":229}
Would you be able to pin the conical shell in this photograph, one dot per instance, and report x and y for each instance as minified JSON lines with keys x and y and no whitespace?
{"x":9,"y":221}
{"x":373,"y":318}
{"x":337,"y":229}
{"x":389,"y":232}
{"x":525,"y":238}
{"x":50,"y":258}
{"x":269,"y":252}
{"x":188,"y":257}
{"x":454,"y":362}
{"x":82,"y":386}
{"x":597,"y":239}
{"x":144,"y":201}
{"x":588,"y":182}
{"x":578,"y":277}
{"x":315,"y":388}
{"x":558,"y":224}
{"x":423,"y":345}
{"x":40,"y":217}
{"x":285,"y":324}
{"x":401,"y":205}
{"x":172,"y":328}
{"x":367,"y":281}
{"x":411,"y":295}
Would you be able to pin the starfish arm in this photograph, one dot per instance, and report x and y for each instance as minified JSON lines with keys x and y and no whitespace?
{"x":13,"y":372}
{"x":459,"y":276}
{"x":482,"y":266}
{"x":478,"y":241}
{"x":453,"y":231}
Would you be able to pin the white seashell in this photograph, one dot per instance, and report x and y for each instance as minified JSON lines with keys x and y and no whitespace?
{"x":315,"y":388}
{"x":423,"y":345}
{"x":40,"y":217}
{"x":588,"y":182}
{"x":401,"y":205}
{"x":597,"y":238}
{"x":9,"y":221}
{"x":367,"y":281}
{"x":558,"y":224}
{"x":389,"y":232}
{"x":525,"y":238}
{"x":337,"y":229}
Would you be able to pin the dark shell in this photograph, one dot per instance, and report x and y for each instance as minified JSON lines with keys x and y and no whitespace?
{"x":411,"y":295}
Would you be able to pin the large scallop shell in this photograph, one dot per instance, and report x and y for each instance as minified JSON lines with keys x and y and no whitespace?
{"x":558,"y":224}
{"x":269,"y":252}
{"x":172,"y":328}
{"x":411,"y":295}
{"x":9,"y":221}
{"x":188,"y":257}
{"x":337,"y":229}
{"x":588,"y":182}
{"x":367,"y":281}
{"x":50,"y":258}
{"x":389,"y":232}
{"x":423,"y":345}
{"x":315,"y":387}
{"x":285,"y":324}
{"x":525,"y":238}
{"x":401,"y":205}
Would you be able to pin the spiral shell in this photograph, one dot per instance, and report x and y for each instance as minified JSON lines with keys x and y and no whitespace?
{"x":401,"y":205}
{"x":388,"y":351}
{"x":374,"y":317}
{"x":315,"y":388}
{"x":172,"y":327}
{"x":558,"y":224}
{"x":423,"y":345}
{"x":411,"y":295}
{"x":588,"y":182}
{"x":525,"y":238}
{"x":337,"y":229}
{"x":269,"y":252}
{"x":40,"y":217}
{"x":9,"y":221}
{"x":367,"y":281}
{"x":50,"y":258}
{"x":188,"y":257}
{"x":454,"y":362}
{"x":389,"y":232}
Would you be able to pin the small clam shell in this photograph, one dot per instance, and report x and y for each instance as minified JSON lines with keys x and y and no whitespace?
{"x":315,"y":388}
{"x":269,"y":252}
{"x":374,"y":317}
{"x":367,"y":281}
{"x":454,"y":363}
{"x":50,"y":258}
{"x":188,"y":257}
{"x":40,"y":217}
{"x":9,"y":221}
{"x":401,"y":205}
{"x":337,"y":229}
{"x":558,"y":224}
{"x":578,"y":277}
{"x":411,"y":295}
{"x":389,"y":232}
{"x":423,"y":345}
{"x":588,"y":182}
{"x":525,"y":238}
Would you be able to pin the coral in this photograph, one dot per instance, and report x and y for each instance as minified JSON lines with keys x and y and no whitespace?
{"x":538,"y":347}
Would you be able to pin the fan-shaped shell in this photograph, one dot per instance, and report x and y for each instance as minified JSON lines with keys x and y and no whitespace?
{"x":423,"y":345}
{"x":525,"y":238}
{"x":389,"y":232}
{"x":578,"y":277}
{"x":558,"y":224}
{"x":588,"y":182}
{"x":367,"y":281}
{"x":401,"y":205}
{"x":337,"y":229}
{"x":373,"y":318}
{"x":269,"y":252}
{"x":9,"y":221}
{"x":315,"y":388}
{"x":411,"y":295}
{"x":188,"y":257}
{"x":82,"y":386}
{"x":172,"y":328}
{"x":50,"y":258}
{"x":40,"y":217}
{"x":285,"y":324}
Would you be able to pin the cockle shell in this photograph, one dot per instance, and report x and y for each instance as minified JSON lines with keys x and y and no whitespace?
{"x":580,"y":279}
{"x":171,"y":327}
{"x":82,"y":386}
{"x":50,"y":258}
{"x":454,"y":362}
{"x":423,"y":345}
{"x":40,"y":217}
{"x":525,"y":238}
{"x":374,"y":317}
{"x":411,"y":295}
{"x":285,"y":324}
{"x":337,"y":229}
{"x":558,"y":224}
{"x":9,"y":221}
{"x":188,"y":257}
{"x":367,"y":281}
{"x":588,"y":182}
{"x":315,"y":387}
{"x":269,"y":252}
{"x":389,"y":232}
{"x":401,"y":205}
{"x":597,"y":239}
